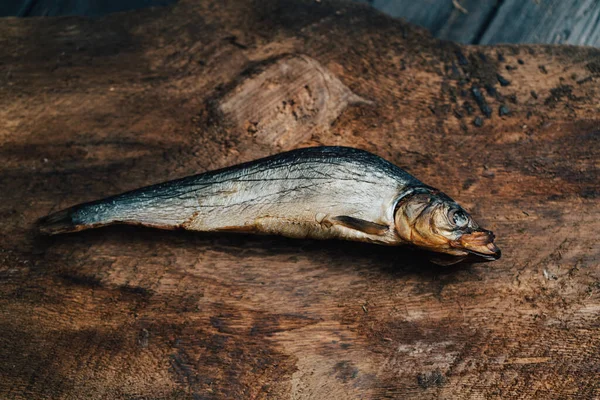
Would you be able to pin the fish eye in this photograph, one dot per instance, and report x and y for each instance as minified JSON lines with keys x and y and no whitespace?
{"x":458,"y":218}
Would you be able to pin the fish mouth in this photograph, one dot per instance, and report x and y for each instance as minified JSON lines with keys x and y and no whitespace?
{"x":481,"y":244}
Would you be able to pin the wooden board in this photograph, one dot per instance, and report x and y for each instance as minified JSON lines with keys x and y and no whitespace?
{"x":464,"y":22}
{"x":545,"y":21}
{"x":95,"y":107}
{"x":90,"y":8}
{"x":508,"y":21}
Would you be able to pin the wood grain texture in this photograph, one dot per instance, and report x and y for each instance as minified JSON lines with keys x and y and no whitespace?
{"x":91,"y":108}
{"x":442,"y":18}
{"x":574,"y":22}
{"x":285,"y":100}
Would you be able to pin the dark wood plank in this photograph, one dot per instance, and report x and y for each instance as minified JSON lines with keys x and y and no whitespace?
{"x":546,"y":21}
{"x":442,"y":18}
{"x":10,"y":8}
{"x":90,"y":8}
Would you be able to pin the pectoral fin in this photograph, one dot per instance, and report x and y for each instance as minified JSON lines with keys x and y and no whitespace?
{"x":361,"y":225}
{"x":446,"y":260}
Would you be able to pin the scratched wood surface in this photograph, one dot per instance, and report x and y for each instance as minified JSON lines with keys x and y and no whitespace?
{"x":90,"y":8}
{"x":463,"y":21}
{"x":466,"y":21}
{"x":574,"y":22}
{"x":91,"y":108}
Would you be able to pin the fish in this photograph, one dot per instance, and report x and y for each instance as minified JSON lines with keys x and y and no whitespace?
{"x":326,"y":192}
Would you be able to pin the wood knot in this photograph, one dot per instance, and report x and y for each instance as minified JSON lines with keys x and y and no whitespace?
{"x":283,"y":101}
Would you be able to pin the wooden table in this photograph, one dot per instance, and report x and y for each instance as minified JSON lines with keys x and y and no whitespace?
{"x":93,"y":107}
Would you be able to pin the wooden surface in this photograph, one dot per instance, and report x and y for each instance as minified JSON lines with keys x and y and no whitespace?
{"x":574,"y":22}
{"x":465,"y":23}
{"x":91,"y":108}
{"x":90,"y":8}
{"x":547,"y":21}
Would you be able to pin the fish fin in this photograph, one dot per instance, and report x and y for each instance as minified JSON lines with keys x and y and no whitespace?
{"x":368,"y":227}
{"x":445,"y":260}
{"x":59,"y":222}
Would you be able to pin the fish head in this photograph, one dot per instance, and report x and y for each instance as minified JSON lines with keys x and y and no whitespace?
{"x":431,"y":220}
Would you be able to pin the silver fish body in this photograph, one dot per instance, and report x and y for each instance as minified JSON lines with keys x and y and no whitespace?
{"x":318,"y":193}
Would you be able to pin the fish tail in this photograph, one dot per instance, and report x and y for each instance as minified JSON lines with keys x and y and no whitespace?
{"x":60,"y":222}
{"x":76,"y":218}
{"x":149,"y":206}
